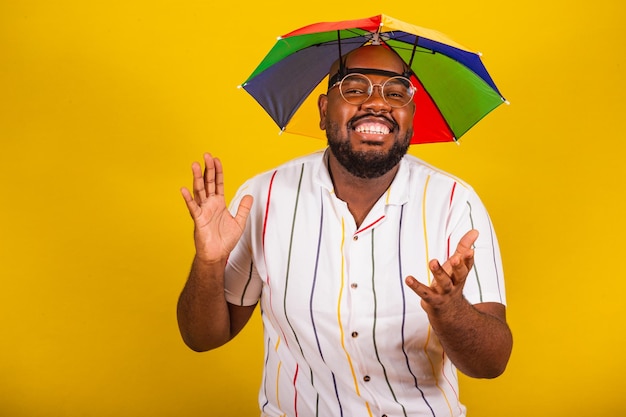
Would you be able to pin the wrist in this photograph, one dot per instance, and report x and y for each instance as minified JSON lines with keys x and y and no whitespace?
{"x":208,"y":262}
{"x":451,"y":311}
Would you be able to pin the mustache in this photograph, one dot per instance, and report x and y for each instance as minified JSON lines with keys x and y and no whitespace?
{"x":355,"y":119}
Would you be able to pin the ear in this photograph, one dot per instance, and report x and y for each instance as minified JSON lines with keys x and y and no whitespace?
{"x":322,"y":104}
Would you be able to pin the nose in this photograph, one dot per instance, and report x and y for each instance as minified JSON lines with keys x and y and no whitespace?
{"x":376,"y":100}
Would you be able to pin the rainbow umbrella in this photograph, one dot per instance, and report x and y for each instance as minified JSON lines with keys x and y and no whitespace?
{"x":455,"y":90}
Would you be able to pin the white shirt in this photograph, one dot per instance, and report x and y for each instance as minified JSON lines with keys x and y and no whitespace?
{"x":344,"y":336}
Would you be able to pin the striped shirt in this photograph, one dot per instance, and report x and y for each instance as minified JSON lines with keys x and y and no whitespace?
{"x":344,"y":336}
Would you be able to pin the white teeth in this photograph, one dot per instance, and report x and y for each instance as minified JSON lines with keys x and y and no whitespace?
{"x":375,"y":129}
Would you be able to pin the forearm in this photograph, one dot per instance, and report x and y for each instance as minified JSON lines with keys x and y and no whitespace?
{"x":476,"y":338}
{"x":203,"y":315}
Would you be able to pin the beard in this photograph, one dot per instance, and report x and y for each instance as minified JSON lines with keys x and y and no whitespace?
{"x":367,"y":165}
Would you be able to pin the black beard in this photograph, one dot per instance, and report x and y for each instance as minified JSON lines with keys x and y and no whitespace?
{"x":366,"y":165}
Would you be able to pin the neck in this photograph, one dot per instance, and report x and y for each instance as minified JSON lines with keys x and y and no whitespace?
{"x":360,"y":194}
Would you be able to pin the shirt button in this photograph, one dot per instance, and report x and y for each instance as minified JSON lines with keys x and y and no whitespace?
{"x":354,"y":285}
{"x":355,"y":238}
{"x":355,"y":334}
{"x":366,"y":378}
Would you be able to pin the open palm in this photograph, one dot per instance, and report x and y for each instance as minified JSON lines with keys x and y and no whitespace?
{"x":216,"y":231}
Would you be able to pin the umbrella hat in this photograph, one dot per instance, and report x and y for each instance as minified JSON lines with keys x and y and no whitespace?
{"x":454,"y":89}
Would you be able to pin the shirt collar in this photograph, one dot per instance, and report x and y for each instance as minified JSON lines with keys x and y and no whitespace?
{"x":396,"y":194}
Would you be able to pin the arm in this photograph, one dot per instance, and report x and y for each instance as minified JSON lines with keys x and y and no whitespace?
{"x":205,"y":319}
{"x":476,"y":338}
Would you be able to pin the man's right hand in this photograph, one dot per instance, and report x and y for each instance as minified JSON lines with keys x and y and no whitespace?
{"x":216,"y":231}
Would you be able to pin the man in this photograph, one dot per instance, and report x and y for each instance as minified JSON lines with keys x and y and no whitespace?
{"x":340,"y":249}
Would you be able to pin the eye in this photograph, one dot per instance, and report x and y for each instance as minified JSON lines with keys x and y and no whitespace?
{"x":355,"y":85}
{"x":354,"y":88}
{"x":353,"y":91}
{"x":398,"y":91}
{"x":392,"y":93}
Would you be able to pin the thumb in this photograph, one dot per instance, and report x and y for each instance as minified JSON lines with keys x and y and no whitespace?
{"x":243,"y":211}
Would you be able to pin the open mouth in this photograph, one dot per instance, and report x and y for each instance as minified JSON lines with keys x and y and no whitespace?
{"x":373,"y":126}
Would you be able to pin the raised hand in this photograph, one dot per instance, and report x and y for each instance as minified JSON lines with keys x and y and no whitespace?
{"x":446,"y":289}
{"x":475,"y":337}
{"x":216,"y":231}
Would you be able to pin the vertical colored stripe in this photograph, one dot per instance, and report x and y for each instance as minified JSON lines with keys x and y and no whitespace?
{"x":280,"y":364}
{"x":295,"y":335}
{"x":288,"y":267}
{"x":425,"y":228}
{"x":380,"y":362}
{"x":313,"y":325}
{"x":265,"y":220}
{"x":245,"y":288}
{"x":494,"y":257}
{"x":403,"y":324}
{"x":265,"y":382}
{"x":429,"y":334}
{"x":388,"y":195}
{"x":448,"y":251}
{"x":341,"y":288}
{"x":475,"y":268}
{"x":295,"y":391}
{"x":443,"y":372}
{"x":267,"y":206}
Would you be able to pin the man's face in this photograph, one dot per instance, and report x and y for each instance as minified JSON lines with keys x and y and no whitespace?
{"x":371,"y":138}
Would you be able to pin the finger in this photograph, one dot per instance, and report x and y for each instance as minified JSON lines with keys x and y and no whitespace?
{"x":468,"y":259}
{"x":198,"y":182}
{"x":464,"y":251}
{"x":243,"y":211}
{"x":186,"y":194}
{"x":467,"y":242}
{"x":441,"y":277}
{"x":209,"y":174}
{"x":192,"y":206}
{"x":422,"y":290}
{"x":219,"y":177}
{"x":461,"y":267}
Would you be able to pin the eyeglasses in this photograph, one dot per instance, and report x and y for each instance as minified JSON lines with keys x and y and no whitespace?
{"x":356,"y":89}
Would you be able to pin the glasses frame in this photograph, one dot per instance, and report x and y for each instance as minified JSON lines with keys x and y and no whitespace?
{"x":370,"y":90}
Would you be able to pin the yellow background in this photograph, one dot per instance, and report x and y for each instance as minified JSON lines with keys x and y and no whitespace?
{"x":105,"y":104}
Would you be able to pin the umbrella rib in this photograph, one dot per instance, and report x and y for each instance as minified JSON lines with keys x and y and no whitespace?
{"x":413,"y":52}
{"x":342,"y":69}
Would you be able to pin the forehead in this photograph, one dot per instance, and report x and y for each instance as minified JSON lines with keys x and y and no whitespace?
{"x":376,"y":58}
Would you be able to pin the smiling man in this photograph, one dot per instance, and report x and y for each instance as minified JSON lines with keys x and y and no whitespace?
{"x":369,"y":131}
{"x":341,"y":250}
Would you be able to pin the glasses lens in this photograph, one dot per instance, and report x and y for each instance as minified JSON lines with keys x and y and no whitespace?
{"x":398,"y":91}
{"x":357,"y":88}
